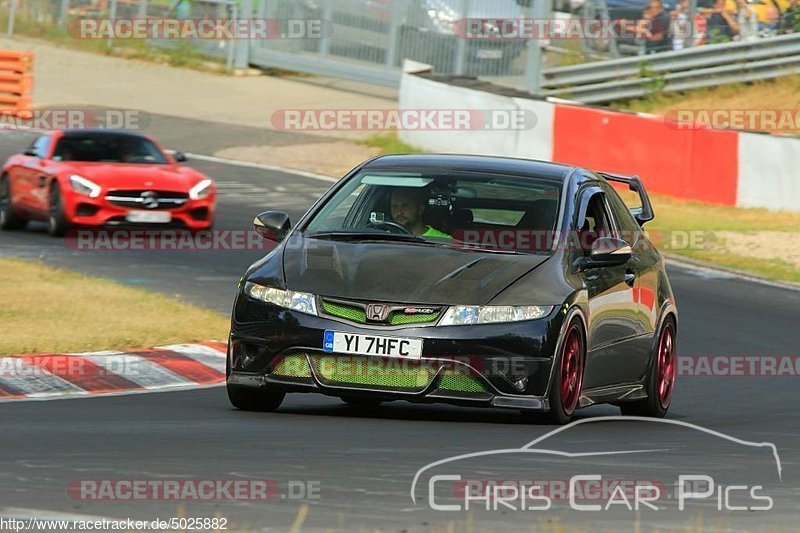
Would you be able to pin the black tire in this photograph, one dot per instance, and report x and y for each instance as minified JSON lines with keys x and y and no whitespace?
{"x":57,"y":223}
{"x":658,"y":399}
{"x":8,"y":219}
{"x":360,"y":401}
{"x":252,"y":399}
{"x":567,"y":373}
{"x":248,"y":398}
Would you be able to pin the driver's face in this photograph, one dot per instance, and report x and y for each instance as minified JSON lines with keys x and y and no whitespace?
{"x":406,"y":209}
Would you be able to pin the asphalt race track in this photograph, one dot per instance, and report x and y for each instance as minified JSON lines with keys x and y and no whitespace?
{"x":363,"y":461}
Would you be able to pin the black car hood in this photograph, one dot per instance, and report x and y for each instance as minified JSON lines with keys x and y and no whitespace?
{"x":399,"y":272}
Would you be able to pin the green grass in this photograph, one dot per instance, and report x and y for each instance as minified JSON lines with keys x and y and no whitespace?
{"x":53,"y":310}
{"x":389,"y":143}
{"x":780,"y":93}
{"x":673,"y":215}
{"x":182,"y":54}
{"x":772,"y":269}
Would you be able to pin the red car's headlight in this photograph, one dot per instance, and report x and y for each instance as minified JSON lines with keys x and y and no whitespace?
{"x":83,"y":186}
{"x":201,"y":190}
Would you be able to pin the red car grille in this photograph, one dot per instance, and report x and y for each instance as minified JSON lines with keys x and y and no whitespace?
{"x":147,"y":199}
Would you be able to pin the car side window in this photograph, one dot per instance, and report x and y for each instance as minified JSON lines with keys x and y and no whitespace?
{"x":622,"y":214}
{"x":597,"y":223}
{"x":40,"y":145}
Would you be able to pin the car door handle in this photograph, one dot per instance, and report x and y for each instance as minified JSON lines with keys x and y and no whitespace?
{"x":630,"y":277}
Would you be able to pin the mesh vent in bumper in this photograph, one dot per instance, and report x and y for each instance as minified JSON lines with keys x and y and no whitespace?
{"x":377,"y":373}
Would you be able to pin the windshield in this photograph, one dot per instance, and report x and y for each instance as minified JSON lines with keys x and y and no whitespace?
{"x":476,"y":211}
{"x":106,"y":148}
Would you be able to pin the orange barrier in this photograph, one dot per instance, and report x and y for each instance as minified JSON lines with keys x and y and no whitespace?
{"x":16,"y":81}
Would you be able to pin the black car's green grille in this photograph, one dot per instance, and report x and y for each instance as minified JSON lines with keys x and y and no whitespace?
{"x":399,"y":318}
{"x":460,"y":382}
{"x":293,"y":366}
{"x":374,"y":372}
{"x":348,"y":312}
{"x":393,"y":374}
{"x":358,"y":314}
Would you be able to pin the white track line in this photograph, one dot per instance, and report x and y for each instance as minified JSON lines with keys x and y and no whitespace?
{"x":259,"y":166}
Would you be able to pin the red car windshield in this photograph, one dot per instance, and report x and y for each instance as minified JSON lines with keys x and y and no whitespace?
{"x":105,"y":148}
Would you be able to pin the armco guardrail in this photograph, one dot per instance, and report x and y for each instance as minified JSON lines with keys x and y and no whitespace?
{"x":16,"y":81}
{"x":704,"y":66}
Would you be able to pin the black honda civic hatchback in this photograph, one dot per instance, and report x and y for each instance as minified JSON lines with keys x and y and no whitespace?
{"x":480,"y":281}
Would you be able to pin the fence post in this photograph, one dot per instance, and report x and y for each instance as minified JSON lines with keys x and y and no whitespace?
{"x":63,"y":12}
{"x":243,"y":45}
{"x":461,"y":41}
{"x":327,"y":18}
{"x":12,"y":13}
{"x":268,"y":9}
{"x":394,"y":42}
{"x":112,"y":14}
{"x":533,"y":70}
{"x":688,"y":41}
{"x":229,"y":62}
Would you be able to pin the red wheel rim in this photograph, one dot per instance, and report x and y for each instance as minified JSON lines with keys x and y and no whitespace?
{"x":665,"y":378}
{"x":571,"y":370}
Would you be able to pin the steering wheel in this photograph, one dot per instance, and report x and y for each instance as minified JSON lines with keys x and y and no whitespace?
{"x":393,"y":227}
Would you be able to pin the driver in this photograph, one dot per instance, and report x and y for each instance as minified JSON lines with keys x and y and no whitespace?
{"x":408,"y":208}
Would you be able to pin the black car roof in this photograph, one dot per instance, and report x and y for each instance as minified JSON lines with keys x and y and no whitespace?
{"x":491,"y":164}
{"x":101,"y":131}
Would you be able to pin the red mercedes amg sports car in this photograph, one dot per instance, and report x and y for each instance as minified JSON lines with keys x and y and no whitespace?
{"x":94,"y":178}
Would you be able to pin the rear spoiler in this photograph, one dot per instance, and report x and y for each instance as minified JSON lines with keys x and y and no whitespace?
{"x":642,"y":214}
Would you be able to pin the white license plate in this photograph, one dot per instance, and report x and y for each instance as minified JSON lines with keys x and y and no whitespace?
{"x":355,"y":344}
{"x":149,"y":217}
{"x":489,"y":54}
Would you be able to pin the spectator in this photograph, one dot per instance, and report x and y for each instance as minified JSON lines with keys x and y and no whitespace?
{"x":722,"y":25}
{"x":700,"y":29}
{"x":769,"y":14}
{"x":790,"y":21}
{"x":747,"y":20}
{"x":656,"y":31}
{"x":680,"y":25}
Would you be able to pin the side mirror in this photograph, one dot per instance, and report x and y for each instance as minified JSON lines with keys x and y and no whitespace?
{"x":606,"y":252}
{"x":272,"y":225}
{"x":30,"y":152}
{"x":180,"y":157}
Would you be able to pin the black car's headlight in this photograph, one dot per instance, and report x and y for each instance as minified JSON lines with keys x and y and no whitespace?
{"x":302,"y":302}
{"x":465,"y":315}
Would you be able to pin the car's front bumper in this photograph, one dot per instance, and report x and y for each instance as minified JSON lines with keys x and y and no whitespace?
{"x":500,"y":365}
{"x":100,"y":212}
